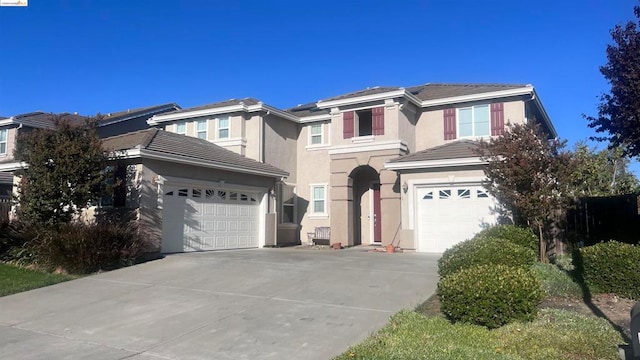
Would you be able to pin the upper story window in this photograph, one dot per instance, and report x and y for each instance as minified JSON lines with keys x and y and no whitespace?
{"x":474,"y":121}
{"x":315,"y":134}
{"x":3,"y":142}
{"x":223,"y":128}
{"x":201,"y":129}
{"x":363,"y":122}
{"x":181,"y":128}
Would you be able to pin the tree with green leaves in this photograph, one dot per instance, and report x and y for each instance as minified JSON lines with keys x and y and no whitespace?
{"x":64,"y":172}
{"x":526,"y":173}
{"x":601,"y":173}
{"x":618,"y":116}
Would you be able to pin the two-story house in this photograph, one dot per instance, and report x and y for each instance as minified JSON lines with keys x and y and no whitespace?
{"x":382,"y":165}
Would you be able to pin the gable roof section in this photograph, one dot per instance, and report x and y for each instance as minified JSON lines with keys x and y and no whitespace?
{"x":456,"y":153}
{"x":167,"y":146}
{"x":247,"y":105}
{"x":443,"y":91}
{"x":307,"y":110}
{"x":42,"y":120}
{"x":115,"y":117}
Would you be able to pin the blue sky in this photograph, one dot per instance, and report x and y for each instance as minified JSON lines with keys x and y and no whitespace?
{"x":104,"y":56}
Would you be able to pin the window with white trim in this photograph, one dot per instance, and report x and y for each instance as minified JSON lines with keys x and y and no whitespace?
{"x":181,"y":128}
{"x":201,"y":129}
{"x":315,"y":134}
{"x":223,"y":127}
{"x":319,"y":199}
{"x":3,"y":142}
{"x":474,"y":121}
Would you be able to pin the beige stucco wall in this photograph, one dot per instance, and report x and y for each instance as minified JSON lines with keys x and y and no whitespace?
{"x":312,"y":168}
{"x":280,"y":144}
{"x":429,"y":130}
{"x":236,"y":130}
{"x":251,"y":131}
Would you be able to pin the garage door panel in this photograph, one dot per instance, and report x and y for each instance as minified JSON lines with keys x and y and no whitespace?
{"x":447,"y":215}
{"x":196,"y":219}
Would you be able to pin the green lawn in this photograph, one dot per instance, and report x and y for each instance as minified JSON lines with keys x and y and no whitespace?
{"x":14,"y":279}
{"x":555,"y":334}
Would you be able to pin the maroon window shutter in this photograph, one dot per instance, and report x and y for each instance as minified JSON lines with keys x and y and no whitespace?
{"x":347,"y":124}
{"x":377,"y":120}
{"x":450,"y":124}
{"x":497,"y":119}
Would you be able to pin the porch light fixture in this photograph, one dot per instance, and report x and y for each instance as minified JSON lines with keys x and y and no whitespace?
{"x":405,"y":187}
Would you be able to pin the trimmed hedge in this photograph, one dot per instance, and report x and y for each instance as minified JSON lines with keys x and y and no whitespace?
{"x":516,"y":234}
{"x":490,"y":295}
{"x":484,"y":250}
{"x":611,"y":267}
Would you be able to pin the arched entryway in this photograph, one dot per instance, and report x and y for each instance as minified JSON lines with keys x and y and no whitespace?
{"x":367,"y":218}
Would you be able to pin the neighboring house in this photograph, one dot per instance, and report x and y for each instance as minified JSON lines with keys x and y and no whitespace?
{"x":366,"y":164}
{"x":194,"y":195}
{"x":122,"y":122}
{"x":110,"y":124}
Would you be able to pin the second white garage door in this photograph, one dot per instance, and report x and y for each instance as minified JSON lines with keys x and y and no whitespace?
{"x":197,"y":218}
{"x":447,"y":215}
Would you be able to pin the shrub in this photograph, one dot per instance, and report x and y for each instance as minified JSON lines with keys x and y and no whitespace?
{"x":14,"y":237}
{"x":484,"y":250}
{"x":556,"y":282}
{"x":516,"y":234}
{"x":490,"y":295}
{"x":611,"y":267}
{"x":81,"y":248}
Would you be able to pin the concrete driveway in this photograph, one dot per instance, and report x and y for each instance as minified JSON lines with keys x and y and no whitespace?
{"x":243,"y":304}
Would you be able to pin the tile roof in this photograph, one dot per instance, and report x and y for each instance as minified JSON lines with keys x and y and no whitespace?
{"x":230,"y":102}
{"x":190,"y":147}
{"x":441,"y":91}
{"x":365,"y":92}
{"x":45,"y":120}
{"x":453,"y":150}
{"x":133,"y":113}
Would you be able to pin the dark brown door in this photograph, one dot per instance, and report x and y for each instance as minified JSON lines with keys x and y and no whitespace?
{"x":377,"y":216}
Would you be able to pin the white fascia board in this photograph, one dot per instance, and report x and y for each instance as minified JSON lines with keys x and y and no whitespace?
{"x":430,"y":164}
{"x":527,"y":90}
{"x":545,"y":116}
{"x":7,"y":121}
{"x":13,"y":166}
{"x":315,"y":118}
{"x":156,"y":119}
{"x":271,"y":109}
{"x":361,"y":99}
{"x":150,"y":154}
{"x":369,"y":146}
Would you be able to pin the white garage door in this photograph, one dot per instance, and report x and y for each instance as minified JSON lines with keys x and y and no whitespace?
{"x":448,"y":215}
{"x":198,"y":218}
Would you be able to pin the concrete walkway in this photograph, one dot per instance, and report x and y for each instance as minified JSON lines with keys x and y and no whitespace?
{"x":243,"y":304}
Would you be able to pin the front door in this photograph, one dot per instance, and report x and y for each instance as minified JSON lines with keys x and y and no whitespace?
{"x":377,"y":216}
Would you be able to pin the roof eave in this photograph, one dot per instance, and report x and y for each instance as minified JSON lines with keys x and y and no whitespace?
{"x":368,"y":98}
{"x":147,"y":113}
{"x":545,"y":116}
{"x":157,"y":119}
{"x":431,"y":164}
{"x":526,"y":90}
{"x":157,"y":155}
